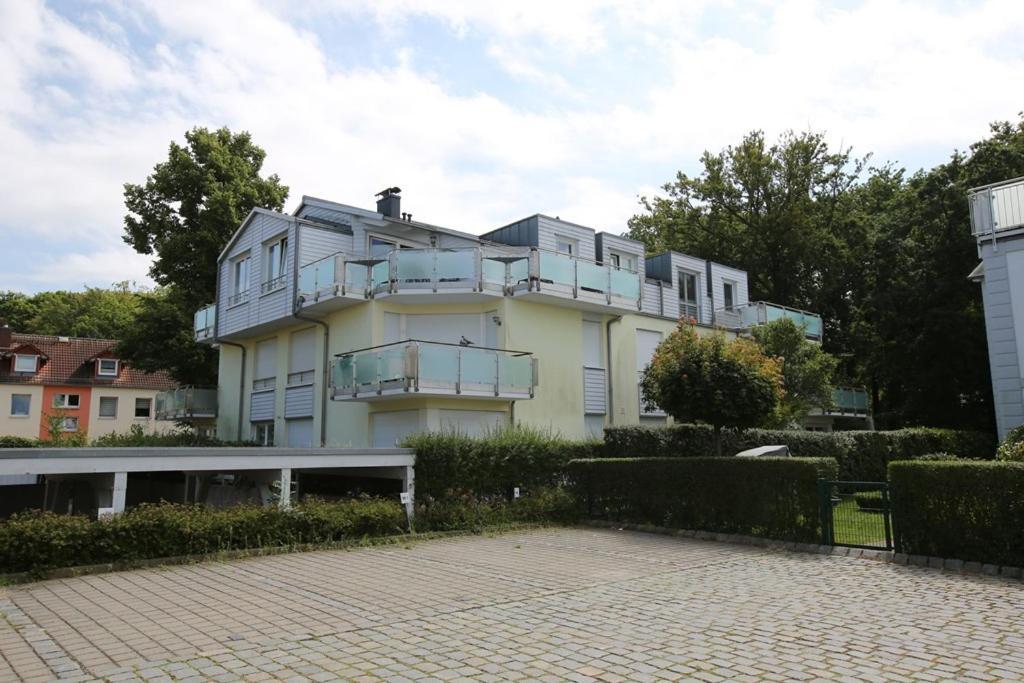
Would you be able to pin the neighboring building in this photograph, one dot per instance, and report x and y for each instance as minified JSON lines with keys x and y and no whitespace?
{"x":997,"y":222}
{"x":80,"y":382}
{"x":342,"y":326}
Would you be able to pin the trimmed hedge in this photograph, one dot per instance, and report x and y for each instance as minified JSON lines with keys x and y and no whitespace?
{"x":472,"y":512}
{"x":768,"y":497}
{"x":452,"y":464}
{"x":862,"y":455}
{"x":35,"y":541}
{"x":972,"y":511}
{"x":18,"y":442}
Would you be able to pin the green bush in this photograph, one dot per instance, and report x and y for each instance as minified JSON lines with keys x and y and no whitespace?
{"x":449,"y":463}
{"x":467,"y":511}
{"x":973,"y":511}
{"x":768,"y":497}
{"x":862,"y":456}
{"x":35,"y":541}
{"x":1012,"y":448}
{"x":137,"y":438}
{"x":870,"y":501}
{"x":18,"y":442}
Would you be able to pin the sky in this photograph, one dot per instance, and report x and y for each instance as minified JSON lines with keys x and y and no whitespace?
{"x":483,"y":113}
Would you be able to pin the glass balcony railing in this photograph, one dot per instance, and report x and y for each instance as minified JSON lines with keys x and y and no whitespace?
{"x":205,"y":322}
{"x":473,"y":268}
{"x":184,"y":403}
{"x":850,"y":401}
{"x":432,"y":368}
{"x":762,"y":313}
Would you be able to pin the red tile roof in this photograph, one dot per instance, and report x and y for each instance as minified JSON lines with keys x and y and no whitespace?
{"x":71,"y":360}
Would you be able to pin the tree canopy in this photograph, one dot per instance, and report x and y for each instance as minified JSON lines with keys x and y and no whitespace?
{"x":96,"y":312}
{"x":183,"y":215}
{"x":807,"y":369}
{"x":724,"y":383}
{"x":881,"y":254}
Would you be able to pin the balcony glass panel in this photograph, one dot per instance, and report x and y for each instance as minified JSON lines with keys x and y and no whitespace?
{"x":392,"y":363}
{"x":810,"y":323}
{"x":366,"y":368}
{"x":414,"y":265}
{"x":592,"y":276}
{"x":557,"y":268}
{"x":515,"y":372}
{"x":519,"y":271}
{"x":307,"y":279}
{"x":479,"y":367}
{"x":625,"y":284}
{"x":439,"y":365}
{"x":205,"y":318}
{"x":355,"y":276}
{"x":493,"y":271}
{"x":343,"y":374}
{"x":456,"y":265}
{"x":379,"y":274}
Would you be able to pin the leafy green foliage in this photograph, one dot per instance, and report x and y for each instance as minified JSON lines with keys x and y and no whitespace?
{"x":184,"y":214}
{"x":18,"y":442}
{"x":96,"y":312}
{"x":136,"y":437}
{"x":881,"y":255}
{"x":768,"y":497}
{"x":471,"y":512}
{"x":862,"y":456}
{"x":452,"y":464}
{"x":1012,"y":447}
{"x":807,"y":370}
{"x":35,"y":541}
{"x":708,"y":379}
{"x":966,"y":510}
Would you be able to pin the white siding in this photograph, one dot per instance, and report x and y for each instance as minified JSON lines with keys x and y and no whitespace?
{"x":317,"y":243}
{"x":548,"y":228}
{"x":719,"y":276}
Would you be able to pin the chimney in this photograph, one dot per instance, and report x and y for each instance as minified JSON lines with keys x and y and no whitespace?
{"x":5,"y":337}
{"x":390,"y":202}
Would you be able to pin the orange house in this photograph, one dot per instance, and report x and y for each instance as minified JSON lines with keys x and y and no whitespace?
{"x":70,"y":405}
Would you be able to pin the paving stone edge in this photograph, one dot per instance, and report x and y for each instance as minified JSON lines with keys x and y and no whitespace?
{"x":944,"y":564}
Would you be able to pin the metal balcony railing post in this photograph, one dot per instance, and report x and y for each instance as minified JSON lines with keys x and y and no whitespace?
{"x":380,"y":388}
{"x":355,"y":378}
{"x":497,"y":374}
{"x":608,"y":285}
{"x":393,"y":271}
{"x":433,"y":275}
{"x":458,"y":371}
{"x":575,"y":277}
{"x":339,"y":275}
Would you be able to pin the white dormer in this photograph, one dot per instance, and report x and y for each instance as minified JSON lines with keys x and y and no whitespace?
{"x":26,"y":363}
{"x":107,"y":367}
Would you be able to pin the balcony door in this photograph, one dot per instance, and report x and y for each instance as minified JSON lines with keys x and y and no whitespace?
{"x":689,"y":291}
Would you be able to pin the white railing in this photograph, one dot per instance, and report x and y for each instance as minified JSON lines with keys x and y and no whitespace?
{"x":995,"y":207}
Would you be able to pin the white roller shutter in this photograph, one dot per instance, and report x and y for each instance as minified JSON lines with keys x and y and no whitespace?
{"x":388,"y":429}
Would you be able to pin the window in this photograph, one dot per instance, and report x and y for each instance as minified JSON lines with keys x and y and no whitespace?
{"x":564,"y":245}
{"x":688,"y":295}
{"x":239,"y":279}
{"x":108,"y":406}
{"x":728,"y":295}
{"x":379,"y":248}
{"x":143,"y":407}
{"x":263,"y":433}
{"x":24,"y":363}
{"x":615,"y":260}
{"x":107,"y":367}
{"x":69,"y":424}
{"x":65,"y":400}
{"x":622,"y":261}
{"x":276,"y":259}
{"x":20,"y":405}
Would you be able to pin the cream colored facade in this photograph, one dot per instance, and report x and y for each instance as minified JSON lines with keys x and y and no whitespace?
{"x":24,"y":426}
{"x":124,"y":418}
{"x":578,"y":304}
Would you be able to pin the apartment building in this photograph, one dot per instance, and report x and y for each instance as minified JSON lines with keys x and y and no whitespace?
{"x":997,"y":222}
{"x":72,"y":384}
{"x":342,"y":326}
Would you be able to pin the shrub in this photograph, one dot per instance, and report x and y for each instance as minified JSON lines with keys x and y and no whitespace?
{"x":973,"y":511}
{"x":862,"y":456}
{"x":768,"y":497}
{"x":467,"y":511}
{"x":870,"y":501}
{"x":18,"y":442}
{"x":448,"y":463}
{"x":137,"y":438}
{"x":1012,"y":448}
{"x":35,"y":541}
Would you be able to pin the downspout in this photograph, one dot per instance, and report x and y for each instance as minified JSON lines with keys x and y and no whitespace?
{"x":296,"y":307}
{"x":241,"y":369}
{"x":608,"y":352}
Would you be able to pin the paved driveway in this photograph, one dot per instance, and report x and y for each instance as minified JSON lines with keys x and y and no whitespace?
{"x":541,"y":605}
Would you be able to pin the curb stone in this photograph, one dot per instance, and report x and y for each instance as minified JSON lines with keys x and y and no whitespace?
{"x":943,"y":564}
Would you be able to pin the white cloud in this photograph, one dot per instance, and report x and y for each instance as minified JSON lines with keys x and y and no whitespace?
{"x":84,"y":111}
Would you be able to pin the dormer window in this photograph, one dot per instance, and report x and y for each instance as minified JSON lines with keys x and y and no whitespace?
{"x":25,"y":363}
{"x":107,"y":367}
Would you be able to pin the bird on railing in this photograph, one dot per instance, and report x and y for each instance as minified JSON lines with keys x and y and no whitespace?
{"x":465,"y":342}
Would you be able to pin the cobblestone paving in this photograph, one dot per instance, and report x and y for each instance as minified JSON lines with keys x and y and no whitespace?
{"x":561,"y":604}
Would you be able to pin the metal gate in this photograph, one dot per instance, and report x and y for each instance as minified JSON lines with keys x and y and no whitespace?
{"x":856,"y":514}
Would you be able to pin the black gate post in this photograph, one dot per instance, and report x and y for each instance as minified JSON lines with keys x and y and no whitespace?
{"x":825,"y":506}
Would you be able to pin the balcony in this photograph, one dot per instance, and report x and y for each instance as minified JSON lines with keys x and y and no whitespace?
{"x":997,"y":207}
{"x":761,"y":313}
{"x":500,"y":271}
{"x":186,"y":403}
{"x":205,"y":323}
{"x":850,"y":402}
{"x":420,"y":368}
